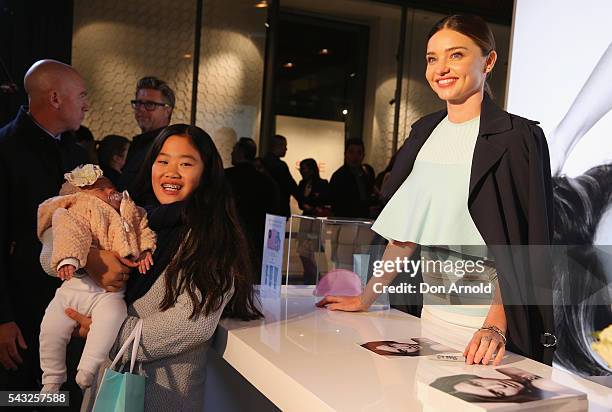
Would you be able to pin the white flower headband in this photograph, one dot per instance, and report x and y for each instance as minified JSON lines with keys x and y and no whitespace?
{"x":84,"y":175}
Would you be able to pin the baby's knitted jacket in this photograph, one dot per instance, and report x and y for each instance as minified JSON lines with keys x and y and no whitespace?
{"x":81,"y":221}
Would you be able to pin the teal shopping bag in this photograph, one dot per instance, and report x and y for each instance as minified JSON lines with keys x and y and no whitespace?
{"x":122,"y":391}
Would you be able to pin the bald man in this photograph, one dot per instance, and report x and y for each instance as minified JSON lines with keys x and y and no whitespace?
{"x":35,"y":152}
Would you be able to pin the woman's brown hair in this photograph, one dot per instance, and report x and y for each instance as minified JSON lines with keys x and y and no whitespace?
{"x":474,"y":27}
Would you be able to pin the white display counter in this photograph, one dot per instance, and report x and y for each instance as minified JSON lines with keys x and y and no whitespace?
{"x":303,"y":358}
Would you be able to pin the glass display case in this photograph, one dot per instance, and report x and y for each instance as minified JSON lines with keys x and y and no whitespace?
{"x":334,"y":255}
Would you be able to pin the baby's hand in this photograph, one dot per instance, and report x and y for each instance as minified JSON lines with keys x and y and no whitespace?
{"x":145,"y":261}
{"x":66,"y":272}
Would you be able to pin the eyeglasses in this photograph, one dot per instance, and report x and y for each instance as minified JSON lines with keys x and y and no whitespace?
{"x":148,"y":105}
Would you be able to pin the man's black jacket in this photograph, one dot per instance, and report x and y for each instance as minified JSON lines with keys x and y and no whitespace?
{"x":32,"y":167}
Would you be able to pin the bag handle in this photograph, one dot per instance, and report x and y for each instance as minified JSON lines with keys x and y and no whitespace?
{"x":137,"y":334}
{"x":133,"y":339}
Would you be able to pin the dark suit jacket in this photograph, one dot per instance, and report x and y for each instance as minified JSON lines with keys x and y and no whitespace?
{"x":346,"y":200}
{"x":318,"y":196}
{"x":286,"y":184}
{"x":255,"y":195}
{"x":135,"y":158}
{"x":510,"y":201}
{"x":32,"y":167}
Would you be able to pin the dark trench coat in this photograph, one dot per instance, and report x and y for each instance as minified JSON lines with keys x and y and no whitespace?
{"x":510,"y":201}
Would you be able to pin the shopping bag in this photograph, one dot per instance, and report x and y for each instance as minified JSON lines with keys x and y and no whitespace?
{"x":122,"y":391}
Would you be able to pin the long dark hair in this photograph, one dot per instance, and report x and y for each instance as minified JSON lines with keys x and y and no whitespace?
{"x":312,"y":165}
{"x":579,"y":204}
{"x":581,"y":304}
{"x":474,"y":27}
{"x":110,"y":146}
{"x":213,"y":255}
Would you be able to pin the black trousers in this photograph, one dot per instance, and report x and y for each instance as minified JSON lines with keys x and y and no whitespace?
{"x":28,"y":375}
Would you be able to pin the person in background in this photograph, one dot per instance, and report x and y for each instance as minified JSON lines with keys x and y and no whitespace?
{"x":36,"y":149}
{"x":369,"y":171}
{"x":280,"y":173}
{"x":112,"y":153}
{"x":85,"y":138}
{"x":351,"y":188}
{"x":260,"y":166}
{"x":153,"y":107}
{"x":255,"y":195}
{"x":313,"y":191}
{"x":314,"y":201}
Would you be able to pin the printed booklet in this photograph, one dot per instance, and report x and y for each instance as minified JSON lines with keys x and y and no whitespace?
{"x":500,"y":389}
{"x":413,"y":347}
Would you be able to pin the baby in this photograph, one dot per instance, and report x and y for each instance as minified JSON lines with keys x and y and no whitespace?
{"x":89,"y":212}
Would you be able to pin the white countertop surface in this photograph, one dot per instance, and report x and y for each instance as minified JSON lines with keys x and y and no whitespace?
{"x":306,"y":358}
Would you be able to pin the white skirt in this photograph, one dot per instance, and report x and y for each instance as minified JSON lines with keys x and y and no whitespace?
{"x":453,"y":330}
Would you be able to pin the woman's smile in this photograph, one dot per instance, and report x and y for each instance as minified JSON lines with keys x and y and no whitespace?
{"x":171,"y":189}
{"x":446,"y":81}
{"x":177,"y":170}
{"x":456,"y":66}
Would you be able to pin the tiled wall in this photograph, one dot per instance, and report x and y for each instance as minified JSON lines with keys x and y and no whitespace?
{"x":382,"y":74}
{"x":231,"y":72}
{"x":117,"y":42}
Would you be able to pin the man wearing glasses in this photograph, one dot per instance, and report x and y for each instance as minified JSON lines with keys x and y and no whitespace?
{"x":152,"y":110}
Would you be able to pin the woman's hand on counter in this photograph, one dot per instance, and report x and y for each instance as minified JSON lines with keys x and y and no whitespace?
{"x":485,"y":346}
{"x":394,"y":250}
{"x":491,"y":338}
{"x":344,"y":303}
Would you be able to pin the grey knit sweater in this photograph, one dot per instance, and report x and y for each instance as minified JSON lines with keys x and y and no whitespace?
{"x":172,"y":351}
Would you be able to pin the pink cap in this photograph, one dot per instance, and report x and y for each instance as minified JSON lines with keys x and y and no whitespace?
{"x":340,"y":282}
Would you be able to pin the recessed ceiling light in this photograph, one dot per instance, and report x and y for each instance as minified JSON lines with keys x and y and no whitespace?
{"x":187,"y":56}
{"x":324,"y":51}
{"x":345,"y":112}
{"x":261,"y":4}
{"x":288,"y":65}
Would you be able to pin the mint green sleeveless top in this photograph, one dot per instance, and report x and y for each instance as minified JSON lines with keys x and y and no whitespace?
{"x":431,"y":206}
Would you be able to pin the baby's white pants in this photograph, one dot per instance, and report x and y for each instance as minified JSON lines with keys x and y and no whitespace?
{"x":107,"y":311}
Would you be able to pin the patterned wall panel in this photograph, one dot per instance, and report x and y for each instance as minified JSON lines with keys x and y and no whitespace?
{"x":382,"y":71}
{"x":419,"y":99}
{"x":116,"y":42}
{"x":231,"y":72}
